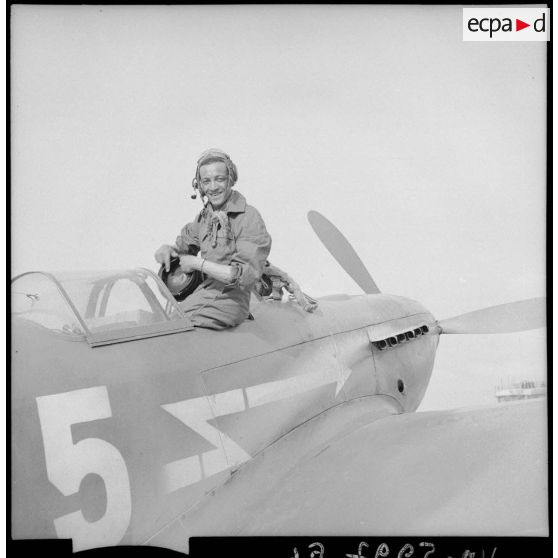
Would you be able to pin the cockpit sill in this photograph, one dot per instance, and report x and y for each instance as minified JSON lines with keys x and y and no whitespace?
{"x":105,"y":308}
{"x":101,"y":308}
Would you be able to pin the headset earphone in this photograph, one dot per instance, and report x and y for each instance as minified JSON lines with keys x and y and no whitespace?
{"x":206,"y":156}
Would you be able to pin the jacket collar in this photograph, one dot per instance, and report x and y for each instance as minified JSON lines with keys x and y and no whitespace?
{"x":236,"y":203}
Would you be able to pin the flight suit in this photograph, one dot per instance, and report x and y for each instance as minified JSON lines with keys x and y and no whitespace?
{"x":234,"y":236}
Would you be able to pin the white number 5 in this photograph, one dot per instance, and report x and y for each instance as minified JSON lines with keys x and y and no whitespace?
{"x":68,"y":463}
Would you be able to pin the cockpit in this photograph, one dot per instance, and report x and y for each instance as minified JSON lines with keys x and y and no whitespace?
{"x":100,"y":307}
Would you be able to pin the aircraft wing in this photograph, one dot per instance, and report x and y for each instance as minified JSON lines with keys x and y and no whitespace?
{"x":465,"y":472}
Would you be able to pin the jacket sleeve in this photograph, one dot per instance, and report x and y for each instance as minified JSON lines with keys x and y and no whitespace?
{"x":253,"y":245}
{"x":188,"y":241}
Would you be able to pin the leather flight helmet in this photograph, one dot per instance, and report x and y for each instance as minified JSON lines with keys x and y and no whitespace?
{"x":178,"y":282}
{"x":213,"y":154}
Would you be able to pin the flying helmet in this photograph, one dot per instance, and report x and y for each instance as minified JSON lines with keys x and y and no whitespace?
{"x":178,"y":282}
{"x":210,"y":155}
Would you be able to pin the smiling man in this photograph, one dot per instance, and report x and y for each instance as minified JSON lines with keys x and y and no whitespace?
{"x":231,"y":239}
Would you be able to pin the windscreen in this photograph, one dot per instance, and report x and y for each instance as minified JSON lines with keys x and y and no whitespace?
{"x":91,"y":302}
{"x":36,"y":297}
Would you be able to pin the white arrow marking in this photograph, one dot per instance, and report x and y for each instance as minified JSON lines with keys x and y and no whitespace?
{"x":283,"y":389}
{"x":195,"y":413}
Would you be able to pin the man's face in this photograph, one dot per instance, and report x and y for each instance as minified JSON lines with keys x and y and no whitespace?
{"x":214,"y":179}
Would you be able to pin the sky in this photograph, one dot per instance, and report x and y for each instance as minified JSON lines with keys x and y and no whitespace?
{"x":427,"y":152}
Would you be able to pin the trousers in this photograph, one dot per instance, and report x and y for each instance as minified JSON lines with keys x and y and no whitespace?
{"x":212,"y":306}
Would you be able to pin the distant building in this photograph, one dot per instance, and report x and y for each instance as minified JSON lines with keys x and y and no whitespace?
{"x":525,"y":389}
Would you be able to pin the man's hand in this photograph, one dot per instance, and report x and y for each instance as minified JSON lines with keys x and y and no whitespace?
{"x":189,"y":263}
{"x":164,"y":255}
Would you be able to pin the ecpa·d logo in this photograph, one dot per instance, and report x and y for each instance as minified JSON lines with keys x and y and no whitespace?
{"x":506,"y":24}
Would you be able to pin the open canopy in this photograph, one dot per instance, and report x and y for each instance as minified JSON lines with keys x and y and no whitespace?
{"x":102,"y":307}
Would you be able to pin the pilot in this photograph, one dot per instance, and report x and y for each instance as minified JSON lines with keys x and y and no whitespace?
{"x":231,"y":239}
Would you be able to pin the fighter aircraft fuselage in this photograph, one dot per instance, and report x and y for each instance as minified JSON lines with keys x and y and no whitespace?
{"x":111,"y":443}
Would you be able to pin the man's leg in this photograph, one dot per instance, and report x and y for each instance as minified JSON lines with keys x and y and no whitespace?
{"x":209,"y":308}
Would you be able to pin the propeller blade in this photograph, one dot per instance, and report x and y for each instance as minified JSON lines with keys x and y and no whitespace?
{"x":339,"y":247}
{"x":505,"y":318}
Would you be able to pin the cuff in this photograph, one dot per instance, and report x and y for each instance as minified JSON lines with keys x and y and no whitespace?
{"x":236,"y":275}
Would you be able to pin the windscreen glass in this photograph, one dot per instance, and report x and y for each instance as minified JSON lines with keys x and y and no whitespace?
{"x":94,"y":302}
